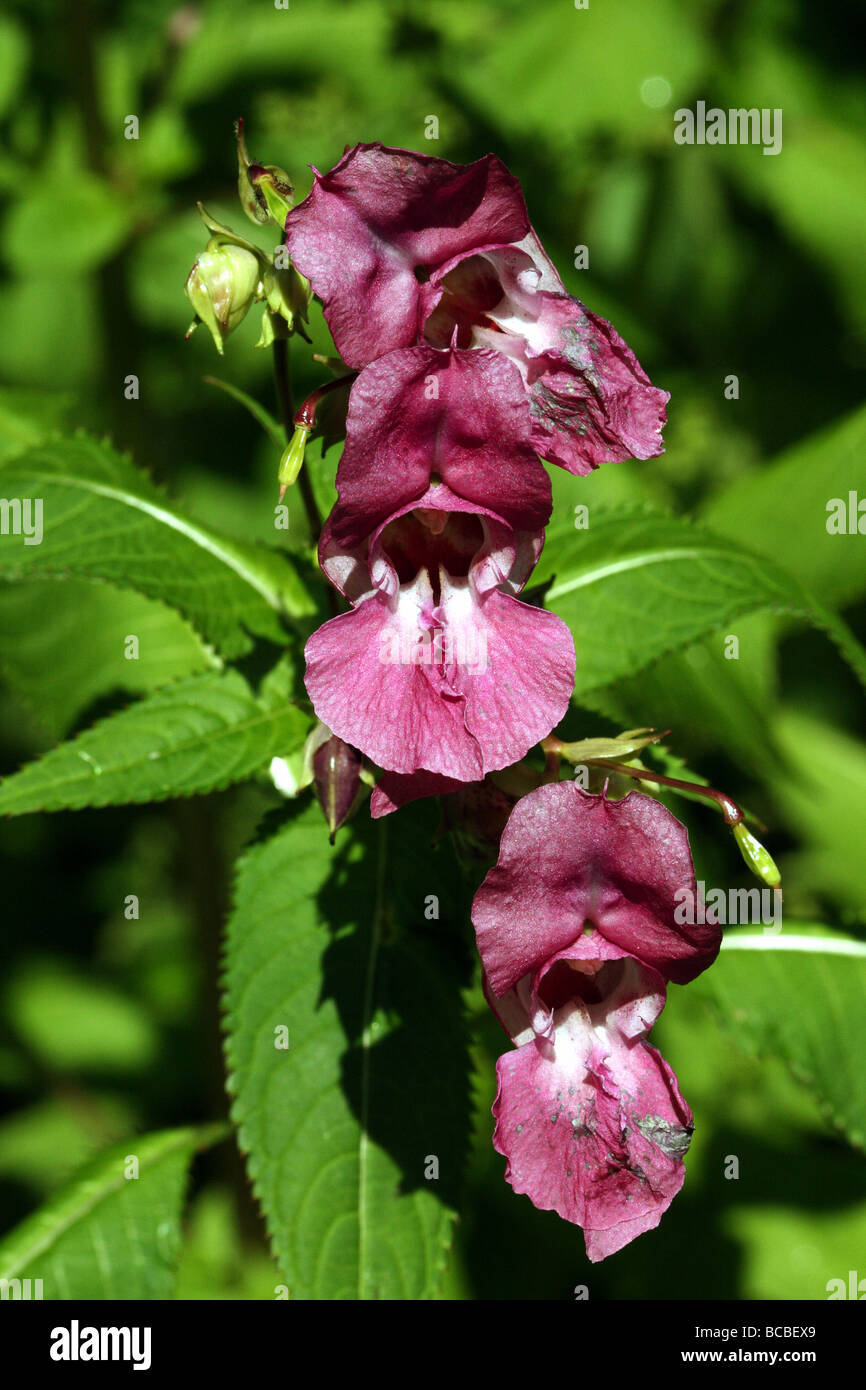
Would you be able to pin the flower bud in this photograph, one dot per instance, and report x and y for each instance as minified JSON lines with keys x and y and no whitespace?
{"x":287,"y":293}
{"x":221,"y":286}
{"x":266,"y":191}
{"x":758,"y":859}
{"x":292,"y":460}
{"x":337,"y":779}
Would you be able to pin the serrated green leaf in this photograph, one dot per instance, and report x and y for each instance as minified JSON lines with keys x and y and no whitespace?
{"x":46,"y":662}
{"x":334,"y":946}
{"x":633,"y":588}
{"x":198,"y":735}
{"x":110,"y":1235}
{"x":799,"y":995}
{"x":102,"y":518}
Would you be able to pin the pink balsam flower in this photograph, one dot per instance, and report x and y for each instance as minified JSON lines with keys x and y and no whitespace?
{"x":439,"y":667}
{"x":588,"y":1115}
{"x":577,"y":927}
{"x":404,"y":248}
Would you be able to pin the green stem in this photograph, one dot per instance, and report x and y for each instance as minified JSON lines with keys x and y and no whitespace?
{"x":283,"y":384}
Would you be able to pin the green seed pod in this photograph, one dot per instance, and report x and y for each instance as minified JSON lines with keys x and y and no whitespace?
{"x":758,"y":859}
{"x":222,"y":285}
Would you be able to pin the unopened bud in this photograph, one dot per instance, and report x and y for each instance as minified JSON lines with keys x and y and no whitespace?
{"x":758,"y":859}
{"x":292,"y":460}
{"x":337,"y":779}
{"x":221,"y":286}
{"x":266,"y":191}
{"x":287,"y":293}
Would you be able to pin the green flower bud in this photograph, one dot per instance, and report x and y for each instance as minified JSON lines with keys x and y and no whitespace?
{"x":292,"y":460}
{"x":758,"y":859}
{"x":266,"y":191}
{"x":222,"y":285}
{"x":272,"y":328}
{"x":287,"y":293}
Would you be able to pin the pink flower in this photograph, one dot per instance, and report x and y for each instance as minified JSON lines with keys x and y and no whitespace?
{"x":577,"y":932}
{"x":588,"y":1114}
{"x":439,"y":670}
{"x":569,"y":861}
{"x":438,"y":667}
{"x":403,"y":248}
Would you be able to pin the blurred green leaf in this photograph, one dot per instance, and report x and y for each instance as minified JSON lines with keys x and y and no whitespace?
{"x":36,"y":318}
{"x":63,"y":645}
{"x":782,"y":508}
{"x":799,"y":995}
{"x":215,"y":1261}
{"x":817,"y":190}
{"x":27,"y":416}
{"x":74,"y":1024}
{"x":41,"y":1145}
{"x":112,"y":1233}
{"x":707,"y":700}
{"x":571,"y":71}
{"x":195,"y":736}
{"x":13,"y":60}
{"x":334,"y":946}
{"x":105,"y":519}
{"x":821,"y":788}
{"x":65,"y":223}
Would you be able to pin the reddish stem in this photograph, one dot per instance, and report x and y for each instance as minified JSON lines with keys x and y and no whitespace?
{"x":306,"y":413}
{"x":730,"y":810}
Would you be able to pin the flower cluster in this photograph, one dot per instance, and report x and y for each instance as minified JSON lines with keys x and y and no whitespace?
{"x":578,"y":934}
{"x":472,"y":362}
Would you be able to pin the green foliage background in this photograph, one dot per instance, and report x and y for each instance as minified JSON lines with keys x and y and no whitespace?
{"x":710,"y":261}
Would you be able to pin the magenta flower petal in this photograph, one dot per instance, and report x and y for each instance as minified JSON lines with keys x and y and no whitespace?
{"x":373,"y":226}
{"x":589,"y":1115}
{"x":524,"y":676}
{"x":458,"y":416}
{"x":395,"y":789}
{"x":439,"y":668}
{"x":592,"y":402}
{"x":400,"y":713}
{"x":569,"y":860}
{"x":403,"y":248}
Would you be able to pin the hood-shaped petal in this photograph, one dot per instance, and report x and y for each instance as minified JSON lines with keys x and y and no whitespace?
{"x":568,"y":860}
{"x":421,"y":414}
{"x":374,"y":226}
